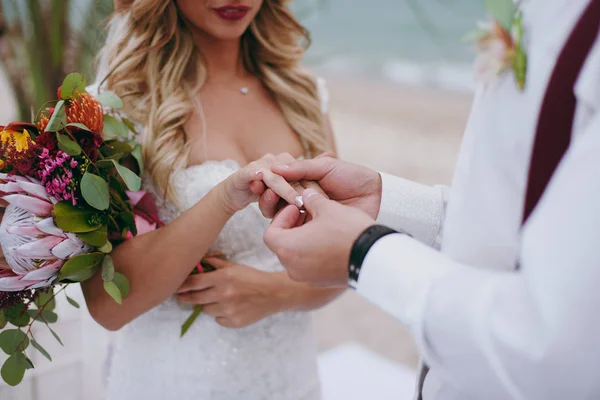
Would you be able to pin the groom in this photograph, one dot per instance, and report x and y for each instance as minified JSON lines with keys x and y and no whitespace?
{"x":505,"y":304}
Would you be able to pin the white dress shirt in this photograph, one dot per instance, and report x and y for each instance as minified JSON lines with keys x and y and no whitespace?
{"x":487,"y":331}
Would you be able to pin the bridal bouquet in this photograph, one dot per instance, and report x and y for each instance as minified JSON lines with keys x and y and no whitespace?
{"x":69,"y":198}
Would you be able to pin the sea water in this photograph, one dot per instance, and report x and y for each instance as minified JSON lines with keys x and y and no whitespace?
{"x":416,"y":42}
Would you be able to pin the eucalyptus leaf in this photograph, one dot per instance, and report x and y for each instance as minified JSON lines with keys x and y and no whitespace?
{"x":46,"y":300}
{"x":2,"y":319}
{"x":28,"y":363}
{"x":129,"y":219}
{"x":122,"y":283}
{"x":97,"y":238}
{"x":13,"y":341}
{"x":77,"y":264}
{"x":74,"y":83}
{"x":73,"y":302}
{"x":76,"y":219}
{"x":49,"y":316}
{"x":132,"y":181}
{"x":39,"y":348}
{"x":503,"y":11}
{"x":94,"y":190}
{"x":113,"y":147}
{"x":108,"y":269}
{"x":107,"y":248}
{"x":67,"y":145}
{"x":55,"y":335}
{"x":13,"y":369}
{"x":113,"y":291}
{"x":137,"y":154}
{"x":78,"y":125}
{"x":80,"y":276}
{"x":110,"y":99}
{"x":114,"y":128}
{"x":17,"y":315}
{"x":58,"y":120}
{"x":191,"y":319}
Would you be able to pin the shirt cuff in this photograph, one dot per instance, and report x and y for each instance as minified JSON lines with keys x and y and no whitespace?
{"x":397,"y":274}
{"x":412,"y":208}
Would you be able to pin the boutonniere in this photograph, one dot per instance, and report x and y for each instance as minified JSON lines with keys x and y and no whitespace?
{"x":499,"y":43}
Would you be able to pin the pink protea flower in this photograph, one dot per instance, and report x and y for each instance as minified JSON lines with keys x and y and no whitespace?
{"x":34,"y":248}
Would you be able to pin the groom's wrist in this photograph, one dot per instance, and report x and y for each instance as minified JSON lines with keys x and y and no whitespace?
{"x":361,"y":247}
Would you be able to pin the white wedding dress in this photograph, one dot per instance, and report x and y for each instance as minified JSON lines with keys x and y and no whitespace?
{"x":272,"y":359}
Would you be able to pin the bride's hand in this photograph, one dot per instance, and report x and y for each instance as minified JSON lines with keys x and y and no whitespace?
{"x":247,"y":184}
{"x":236,"y":295}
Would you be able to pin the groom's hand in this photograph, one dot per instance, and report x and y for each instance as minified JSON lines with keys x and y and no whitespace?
{"x":346,"y":183}
{"x":317,"y":252}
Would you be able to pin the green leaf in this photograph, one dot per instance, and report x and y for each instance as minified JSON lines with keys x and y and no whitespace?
{"x":13,"y":369}
{"x":108,"y":269}
{"x":45,"y":300}
{"x":80,"y":276}
{"x":49,"y":316}
{"x":114,"y":128}
{"x":83,"y":262}
{"x":97,"y":238}
{"x":122,"y":283}
{"x":113,"y":291}
{"x":132,"y":181}
{"x":73,"y":302}
{"x":2,"y":319}
{"x":39,"y":348}
{"x":107,"y":248}
{"x":94,"y":190}
{"x":130,"y":125}
{"x":137,"y":154}
{"x":191,"y":319}
{"x":502,"y":10}
{"x":113,"y":147}
{"x":13,"y":341}
{"x":110,"y":99}
{"x":58,"y":120}
{"x":28,"y":363}
{"x":67,"y":145}
{"x":17,"y":315}
{"x":55,"y":335}
{"x":129,"y":219}
{"x":76,"y":219}
{"x":74,"y":83}
{"x":79,"y":125}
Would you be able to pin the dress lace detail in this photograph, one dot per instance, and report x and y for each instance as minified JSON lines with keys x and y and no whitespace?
{"x":272,"y":359}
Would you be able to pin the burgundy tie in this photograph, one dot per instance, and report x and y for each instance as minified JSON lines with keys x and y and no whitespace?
{"x":555,"y":123}
{"x":557,"y":113}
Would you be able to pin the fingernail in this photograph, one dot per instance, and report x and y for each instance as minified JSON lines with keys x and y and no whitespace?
{"x":299,"y":202}
{"x":258,"y":173}
{"x":268,"y":196}
{"x":310,"y":192}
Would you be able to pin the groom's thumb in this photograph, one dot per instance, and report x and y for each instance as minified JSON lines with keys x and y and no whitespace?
{"x":314,"y":202}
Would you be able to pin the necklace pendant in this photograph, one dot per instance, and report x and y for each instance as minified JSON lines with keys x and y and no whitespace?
{"x":244,"y":90}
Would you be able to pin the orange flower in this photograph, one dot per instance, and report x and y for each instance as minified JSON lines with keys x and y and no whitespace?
{"x":83,"y":109}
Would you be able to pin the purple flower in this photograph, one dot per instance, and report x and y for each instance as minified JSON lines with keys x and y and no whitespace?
{"x":56,"y":176}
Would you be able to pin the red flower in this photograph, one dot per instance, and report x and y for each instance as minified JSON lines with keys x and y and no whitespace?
{"x":90,"y":142}
{"x":47,"y":140}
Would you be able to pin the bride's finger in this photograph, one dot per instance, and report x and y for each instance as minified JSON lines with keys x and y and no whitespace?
{"x":201,"y":297}
{"x":280,"y":186}
{"x":268,"y":203}
{"x":195,"y":282}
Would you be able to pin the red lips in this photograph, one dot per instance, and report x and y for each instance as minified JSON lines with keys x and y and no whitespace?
{"x":232,"y":12}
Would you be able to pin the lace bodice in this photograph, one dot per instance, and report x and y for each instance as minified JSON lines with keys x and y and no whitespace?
{"x":272,"y":359}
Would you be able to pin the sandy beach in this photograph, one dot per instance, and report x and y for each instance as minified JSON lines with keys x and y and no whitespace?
{"x":407,"y":131}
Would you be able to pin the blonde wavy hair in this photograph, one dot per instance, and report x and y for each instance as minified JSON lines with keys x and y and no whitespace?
{"x":152,"y":62}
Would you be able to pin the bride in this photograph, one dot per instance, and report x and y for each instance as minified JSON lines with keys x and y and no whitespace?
{"x":215,"y":84}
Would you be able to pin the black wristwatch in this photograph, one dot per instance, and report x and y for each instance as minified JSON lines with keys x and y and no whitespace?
{"x":361,"y":247}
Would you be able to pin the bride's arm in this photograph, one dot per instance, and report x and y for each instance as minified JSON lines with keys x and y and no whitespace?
{"x":158,"y":262}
